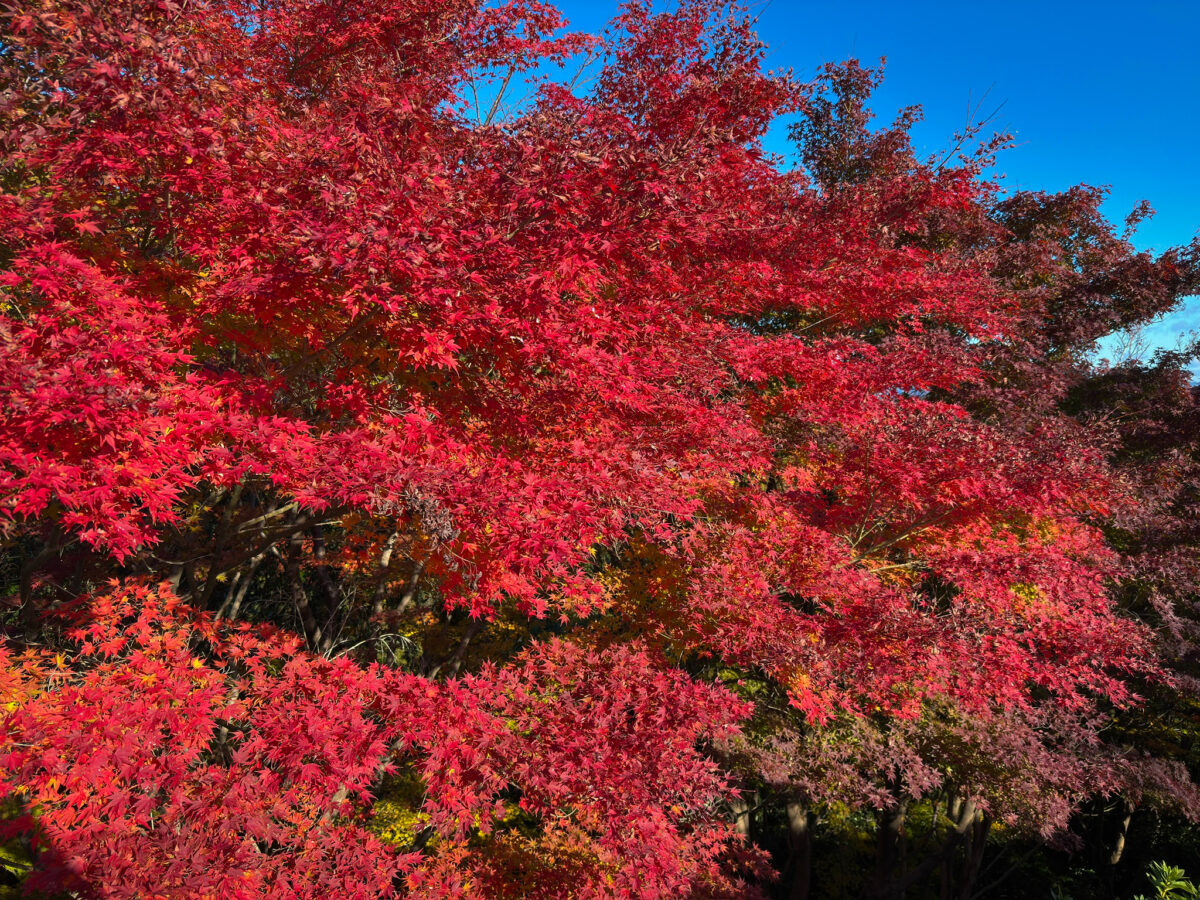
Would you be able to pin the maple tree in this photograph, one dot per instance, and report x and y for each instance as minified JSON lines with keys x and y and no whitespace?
{"x":406,"y":495}
{"x":1026,"y":769}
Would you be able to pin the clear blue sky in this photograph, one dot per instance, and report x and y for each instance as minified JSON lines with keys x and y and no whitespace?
{"x":1102,"y":93}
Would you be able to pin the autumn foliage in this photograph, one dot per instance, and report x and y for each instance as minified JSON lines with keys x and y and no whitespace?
{"x":406,"y":491}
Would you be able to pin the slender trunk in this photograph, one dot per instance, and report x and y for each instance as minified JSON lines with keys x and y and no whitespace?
{"x":238,"y":589}
{"x":175,"y":579}
{"x":967,"y":814}
{"x":379,"y":596}
{"x":308,"y":621}
{"x":1118,"y":847}
{"x":889,"y":881}
{"x":454,"y":663}
{"x":187,"y":580}
{"x":385,"y":564}
{"x":332,"y":589}
{"x":976,"y":842}
{"x":329,"y":634}
{"x":332,"y":582}
{"x":800,"y":846}
{"x":946,"y":872}
{"x":224,"y":529}
{"x":741,"y":816}
{"x":410,"y":592}
{"x":1122,"y":833}
{"x":235,"y":581}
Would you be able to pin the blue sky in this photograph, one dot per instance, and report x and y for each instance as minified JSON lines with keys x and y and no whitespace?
{"x":1102,"y":93}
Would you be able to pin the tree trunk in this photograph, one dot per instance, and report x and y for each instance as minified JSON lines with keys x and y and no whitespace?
{"x":967,"y":821}
{"x":889,"y":882}
{"x":975,"y":840}
{"x":1118,"y":847}
{"x":1122,"y":833}
{"x":224,"y":530}
{"x":385,"y":565}
{"x":800,"y":848}
{"x":238,"y":589}
{"x":741,"y":816}
{"x":308,"y":621}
